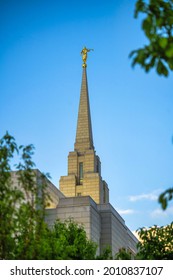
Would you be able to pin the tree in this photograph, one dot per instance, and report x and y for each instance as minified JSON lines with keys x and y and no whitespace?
{"x":69,"y":242}
{"x":9,"y":197}
{"x":158,"y":28}
{"x":156,"y":243}
{"x":157,"y":24}
{"x":21,"y":207}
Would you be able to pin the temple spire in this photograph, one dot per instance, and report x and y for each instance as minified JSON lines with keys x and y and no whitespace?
{"x":84,"y":138}
{"x":84,"y":166}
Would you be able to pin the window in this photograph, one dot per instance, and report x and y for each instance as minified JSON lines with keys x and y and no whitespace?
{"x":79,"y":194}
{"x":80,"y":173}
{"x":98,"y":166}
{"x":104,"y":194}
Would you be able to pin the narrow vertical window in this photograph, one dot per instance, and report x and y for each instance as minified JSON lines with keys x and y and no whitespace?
{"x":98,"y":166}
{"x":80,"y":173}
{"x":104,"y":194}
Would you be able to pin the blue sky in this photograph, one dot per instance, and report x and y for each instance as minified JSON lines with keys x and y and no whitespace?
{"x":132,"y":112}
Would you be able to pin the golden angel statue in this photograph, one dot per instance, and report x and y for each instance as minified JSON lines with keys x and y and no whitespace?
{"x":84,"y":55}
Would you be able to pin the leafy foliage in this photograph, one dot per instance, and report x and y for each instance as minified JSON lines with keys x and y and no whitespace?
{"x":106,"y":254}
{"x":21,"y":205}
{"x":158,"y":28}
{"x":9,"y":197}
{"x":156,"y":243}
{"x":123,"y":254}
{"x":69,"y":242}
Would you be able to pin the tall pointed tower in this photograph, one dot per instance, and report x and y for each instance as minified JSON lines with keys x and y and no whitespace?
{"x":84,"y":167}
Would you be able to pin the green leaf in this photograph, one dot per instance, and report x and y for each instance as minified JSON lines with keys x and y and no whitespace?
{"x":170,"y":63}
{"x":140,"y":7}
{"x":147,"y":26}
{"x":165,"y":197}
{"x":132,"y":53}
{"x":141,"y":56}
{"x":169,"y":51}
{"x":152,"y":62}
{"x":161,"y":69}
{"x":159,"y":21}
{"x":163,"y":42}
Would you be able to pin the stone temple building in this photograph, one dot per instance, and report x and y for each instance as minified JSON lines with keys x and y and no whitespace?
{"x":86,"y":194}
{"x":83,"y":195}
